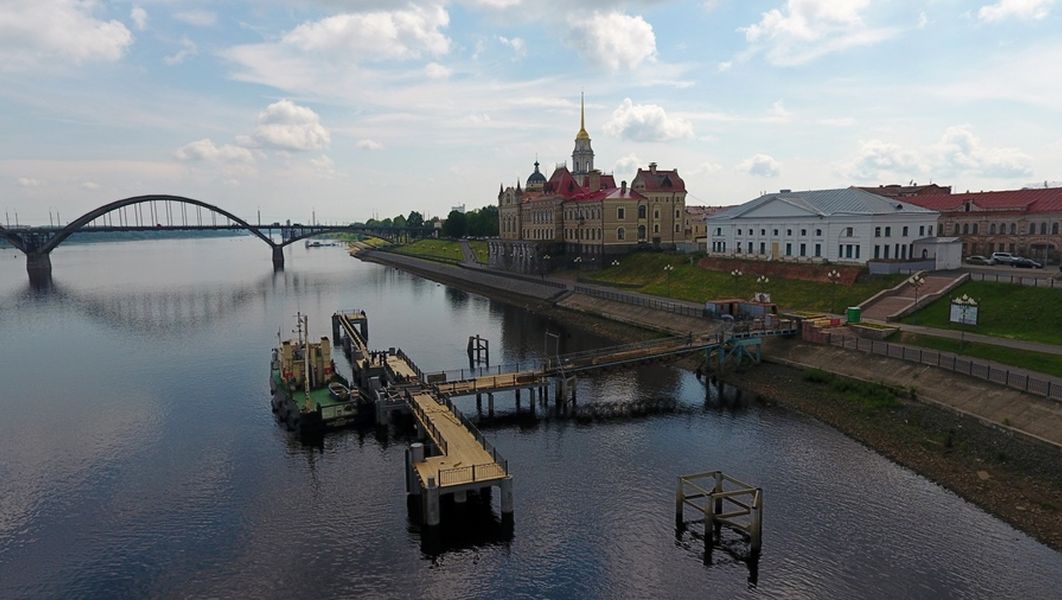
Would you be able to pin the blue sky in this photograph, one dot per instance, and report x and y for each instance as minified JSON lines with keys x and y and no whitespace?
{"x":352,"y":108}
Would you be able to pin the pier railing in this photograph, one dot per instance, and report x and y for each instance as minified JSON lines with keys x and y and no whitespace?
{"x":433,"y":431}
{"x":498,"y":468}
{"x":409,"y":361}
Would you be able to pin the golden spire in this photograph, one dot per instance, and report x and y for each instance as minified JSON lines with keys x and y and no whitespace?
{"x":582,"y":135}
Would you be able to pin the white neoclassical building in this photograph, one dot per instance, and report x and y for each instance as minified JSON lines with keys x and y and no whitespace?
{"x":842,"y":225}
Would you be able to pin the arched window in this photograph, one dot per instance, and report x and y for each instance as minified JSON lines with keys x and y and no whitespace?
{"x":992,"y":228}
{"x":1013,"y":228}
{"x":621,"y":233}
{"x":1043,"y":228}
{"x":641,"y":232}
{"x":965,"y":228}
{"x":1054,"y":229}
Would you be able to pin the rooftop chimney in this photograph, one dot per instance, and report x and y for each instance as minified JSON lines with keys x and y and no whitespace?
{"x":652,"y":167}
{"x":785,"y":191}
{"x":623,"y":187}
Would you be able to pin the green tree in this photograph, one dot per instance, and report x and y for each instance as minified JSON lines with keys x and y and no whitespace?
{"x":415,"y":219}
{"x":456,"y":225}
{"x":386,"y":222}
{"x":399,"y":221}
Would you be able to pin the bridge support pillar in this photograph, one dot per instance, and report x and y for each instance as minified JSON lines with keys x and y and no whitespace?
{"x":39,"y":265}
{"x":278,"y":257}
{"x":507,"y":495}
{"x":431,"y":504}
{"x":461,"y":496}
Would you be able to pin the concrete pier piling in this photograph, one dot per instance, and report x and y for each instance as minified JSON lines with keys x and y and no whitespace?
{"x":721,"y":500}
{"x":432,"y":515}
{"x":507,"y":495}
{"x":278,"y":258}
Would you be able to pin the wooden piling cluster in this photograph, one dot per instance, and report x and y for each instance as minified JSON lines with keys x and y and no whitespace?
{"x":720,"y":500}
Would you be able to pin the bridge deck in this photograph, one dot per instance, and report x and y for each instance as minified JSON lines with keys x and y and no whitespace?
{"x":465,"y":460}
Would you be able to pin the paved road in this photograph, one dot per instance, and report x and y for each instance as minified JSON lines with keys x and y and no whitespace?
{"x":1047,"y":272}
{"x":983,"y":339}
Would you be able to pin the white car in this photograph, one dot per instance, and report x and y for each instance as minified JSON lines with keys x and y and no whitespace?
{"x":1003,"y":258}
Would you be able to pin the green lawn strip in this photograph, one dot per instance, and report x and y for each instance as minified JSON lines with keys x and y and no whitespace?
{"x":1040,"y":362}
{"x":1005,"y":310}
{"x":868,"y":397}
{"x":689,"y":282}
{"x":479,"y":248}
{"x":441,"y":250}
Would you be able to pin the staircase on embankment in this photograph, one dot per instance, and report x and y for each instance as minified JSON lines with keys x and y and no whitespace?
{"x":894,"y":303}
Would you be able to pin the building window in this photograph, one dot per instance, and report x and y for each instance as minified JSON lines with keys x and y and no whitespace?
{"x":929,"y":230}
{"x":840,"y":251}
{"x":803,"y":249}
{"x":904,"y":231}
{"x":877,"y":251}
{"x":656,"y":214}
{"x":776,"y":232}
{"x":621,"y":233}
{"x":788,"y":249}
{"x":888,"y":232}
{"x":818,"y":250}
{"x":641,"y":233}
{"x":965,"y":228}
{"x":857,"y":251}
{"x":1013,"y":229}
{"x":763,"y":248}
{"x":992,"y":229}
{"x":717,"y":232}
{"x":1043,"y":228}
{"x":763,"y":232}
{"x":621,"y":213}
{"x":676,"y":227}
{"x":1054,"y":229}
{"x":956,"y":232}
{"x":885,"y":252}
{"x":677,"y":214}
{"x":750,"y":247}
{"x":973,"y":229}
{"x":641,"y":211}
{"x":818,"y":233}
{"x":803,"y":232}
{"x":789,"y":232}
{"x":877,"y":232}
{"x":656,"y":227}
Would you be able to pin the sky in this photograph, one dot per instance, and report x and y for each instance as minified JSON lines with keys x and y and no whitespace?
{"x":350,"y":109}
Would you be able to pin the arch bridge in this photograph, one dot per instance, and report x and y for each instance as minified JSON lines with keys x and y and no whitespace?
{"x":163,"y":212}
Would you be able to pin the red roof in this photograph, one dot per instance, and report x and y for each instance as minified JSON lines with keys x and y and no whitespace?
{"x":660,"y":181}
{"x":1036,"y":200}
{"x":607,"y":194}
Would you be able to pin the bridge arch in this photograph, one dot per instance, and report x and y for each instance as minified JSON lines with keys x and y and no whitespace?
{"x":79,"y":223}
{"x":12,"y":238}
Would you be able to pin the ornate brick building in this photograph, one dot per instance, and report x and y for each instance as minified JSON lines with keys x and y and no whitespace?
{"x":1026,"y":222}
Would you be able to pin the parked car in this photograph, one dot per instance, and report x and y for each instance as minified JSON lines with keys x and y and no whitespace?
{"x":1025,"y":263}
{"x":1003,"y":258}
{"x":979,"y":260}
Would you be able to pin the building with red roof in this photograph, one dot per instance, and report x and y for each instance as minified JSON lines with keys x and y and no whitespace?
{"x":1026,"y":221}
{"x":581,"y":215}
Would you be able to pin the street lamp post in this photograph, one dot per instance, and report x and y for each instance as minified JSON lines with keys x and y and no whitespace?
{"x":668,"y":269}
{"x":966,"y":305}
{"x":916,"y":281}
{"x":545,"y":264}
{"x":615,"y":263}
{"x":834,"y":278}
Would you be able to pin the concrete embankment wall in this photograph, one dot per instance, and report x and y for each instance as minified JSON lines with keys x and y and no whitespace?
{"x":1030,"y":415}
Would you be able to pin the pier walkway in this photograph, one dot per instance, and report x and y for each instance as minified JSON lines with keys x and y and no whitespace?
{"x":466,"y":458}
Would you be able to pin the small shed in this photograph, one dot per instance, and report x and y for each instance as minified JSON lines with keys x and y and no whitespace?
{"x":740,"y":309}
{"x":946,"y":252}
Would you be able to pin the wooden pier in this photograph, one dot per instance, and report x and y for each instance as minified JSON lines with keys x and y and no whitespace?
{"x":720,"y":500}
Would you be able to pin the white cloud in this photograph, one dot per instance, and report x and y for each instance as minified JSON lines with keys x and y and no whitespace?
{"x":923,"y":20}
{"x":288,"y":126}
{"x":399,"y":34}
{"x":436,"y":71}
{"x":627,"y":166}
{"x":188,"y":49}
{"x":958,"y":152}
{"x":761,"y":165}
{"x":646,"y":123}
{"x":518,"y":46}
{"x":35,"y":32}
{"x":90,"y":185}
{"x":1026,"y":10}
{"x":323,"y":166}
{"x":367,"y":144}
{"x":205,"y":150}
{"x":807,"y":29}
{"x":197,"y":18}
{"x":139,"y":17}
{"x":615,"y":40}
{"x":30,"y":182}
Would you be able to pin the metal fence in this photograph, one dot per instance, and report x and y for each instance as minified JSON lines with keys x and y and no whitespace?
{"x":664,"y":305}
{"x":1020,"y":379}
{"x":1046,"y":282}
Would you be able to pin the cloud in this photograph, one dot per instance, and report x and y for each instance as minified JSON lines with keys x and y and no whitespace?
{"x":139,"y":17}
{"x":958,"y":152}
{"x":646,"y":123}
{"x":197,"y":18}
{"x":434,"y":70}
{"x":188,"y":49}
{"x":288,"y":126}
{"x":323,"y":166}
{"x":761,"y":165}
{"x":627,"y":166}
{"x":36,"y":32}
{"x":519,"y":47}
{"x":615,"y":40}
{"x":367,"y":144}
{"x":805,"y":30}
{"x":205,"y":150}
{"x":399,"y":34}
{"x":90,"y":185}
{"x":30,"y":182}
{"x":1025,"y":10}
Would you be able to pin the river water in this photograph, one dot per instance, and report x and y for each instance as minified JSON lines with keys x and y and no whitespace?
{"x":138,"y":457}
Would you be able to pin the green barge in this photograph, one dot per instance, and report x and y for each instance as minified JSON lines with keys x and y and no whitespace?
{"x":308,"y":395}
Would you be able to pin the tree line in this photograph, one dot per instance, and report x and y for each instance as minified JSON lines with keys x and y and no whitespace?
{"x":481,"y":222}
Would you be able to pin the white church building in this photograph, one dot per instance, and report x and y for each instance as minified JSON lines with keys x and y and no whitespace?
{"x":845,"y":225}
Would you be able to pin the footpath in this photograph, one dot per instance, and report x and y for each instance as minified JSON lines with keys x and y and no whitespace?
{"x":981,"y":339}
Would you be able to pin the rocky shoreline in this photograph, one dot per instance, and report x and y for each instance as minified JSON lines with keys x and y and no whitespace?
{"x":1013,"y":478}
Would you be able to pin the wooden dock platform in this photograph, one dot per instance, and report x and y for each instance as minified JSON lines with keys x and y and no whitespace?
{"x":465,"y":460}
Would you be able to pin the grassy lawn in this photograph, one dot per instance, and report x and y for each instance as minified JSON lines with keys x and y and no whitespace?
{"x":1010,"y":311}
{"x":1050,"y":364}
{"x":444,"y":250}
{"x":645,"y":272}
{"x":479,"y":247}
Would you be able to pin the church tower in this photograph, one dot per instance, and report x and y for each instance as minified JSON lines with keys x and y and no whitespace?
{"x":583,"y":155}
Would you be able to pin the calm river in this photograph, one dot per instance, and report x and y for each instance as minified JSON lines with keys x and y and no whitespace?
{"x":139,"y":458}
